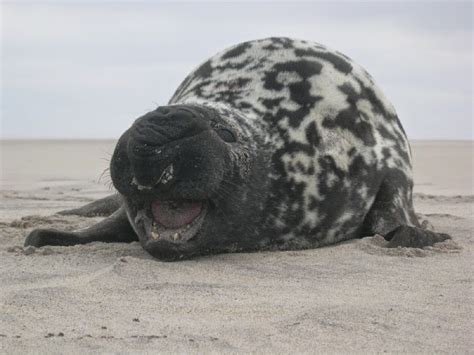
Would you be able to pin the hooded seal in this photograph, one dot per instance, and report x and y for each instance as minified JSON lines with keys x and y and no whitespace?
{"x":270,"y":144}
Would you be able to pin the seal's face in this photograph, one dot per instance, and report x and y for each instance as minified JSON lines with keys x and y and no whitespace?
{"x":179,"y":169}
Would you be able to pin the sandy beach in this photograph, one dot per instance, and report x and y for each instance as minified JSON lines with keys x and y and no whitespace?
{"x":114,"y":298}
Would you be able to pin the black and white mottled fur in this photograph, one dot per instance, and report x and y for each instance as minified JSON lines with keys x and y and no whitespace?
{"x":296,"y":148}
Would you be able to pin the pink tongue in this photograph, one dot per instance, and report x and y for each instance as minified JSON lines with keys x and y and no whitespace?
{"x":175,"y":214}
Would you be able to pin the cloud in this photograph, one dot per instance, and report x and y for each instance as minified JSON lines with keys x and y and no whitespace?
{"x":89,"y":69}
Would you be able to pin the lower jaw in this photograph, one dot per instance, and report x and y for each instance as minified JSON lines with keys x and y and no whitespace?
{"x":175,"y":235}
{"x":153,"y":234}
{"x":166,"y":251}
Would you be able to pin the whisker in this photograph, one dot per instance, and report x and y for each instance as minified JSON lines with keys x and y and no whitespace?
{"x":105,"y":173}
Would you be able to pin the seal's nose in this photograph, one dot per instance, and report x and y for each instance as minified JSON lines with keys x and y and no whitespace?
{"x":164,"y":125}
{"x":154,"y":143}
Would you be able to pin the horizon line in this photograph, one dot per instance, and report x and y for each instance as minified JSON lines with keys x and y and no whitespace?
{"x":114,"y":139}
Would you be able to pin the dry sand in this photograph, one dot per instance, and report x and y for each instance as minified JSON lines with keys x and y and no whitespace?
{"x":356,"y":296}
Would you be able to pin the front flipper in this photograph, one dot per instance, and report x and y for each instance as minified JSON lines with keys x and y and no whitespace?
{"x":114,"y":229}
{"x":413,"y":237}
{"x":103,"y":207}
{"x":392,"y":215}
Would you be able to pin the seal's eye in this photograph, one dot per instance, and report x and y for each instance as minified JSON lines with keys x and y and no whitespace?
{"x":226,"y":135}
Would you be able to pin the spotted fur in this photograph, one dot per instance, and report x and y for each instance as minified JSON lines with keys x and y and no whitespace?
{"x":335,"y":137}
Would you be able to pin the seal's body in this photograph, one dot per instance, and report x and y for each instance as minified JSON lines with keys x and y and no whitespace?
{"x":274,"y":143}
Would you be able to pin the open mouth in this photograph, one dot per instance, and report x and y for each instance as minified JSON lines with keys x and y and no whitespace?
{"x":175,"y":221}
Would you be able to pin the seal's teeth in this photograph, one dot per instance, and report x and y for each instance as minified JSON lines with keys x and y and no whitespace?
{"x":166,"y":175}
{"x":154,"y":232}
{"x":166,"y":178}
{"x":176,"y":236}
{"x":155,"y":235}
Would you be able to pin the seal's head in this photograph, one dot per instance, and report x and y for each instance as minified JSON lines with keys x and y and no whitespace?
{"x":185,"y":172}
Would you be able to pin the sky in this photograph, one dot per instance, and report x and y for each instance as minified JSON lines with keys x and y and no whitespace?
{"x":88,"y":69}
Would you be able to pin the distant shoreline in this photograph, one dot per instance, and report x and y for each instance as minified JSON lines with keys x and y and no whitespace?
{"x":7,"y":140}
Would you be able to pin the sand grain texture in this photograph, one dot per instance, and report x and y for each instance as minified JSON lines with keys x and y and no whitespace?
{"x":357,"y":296}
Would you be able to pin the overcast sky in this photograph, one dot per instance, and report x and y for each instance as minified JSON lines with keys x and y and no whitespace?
{"x":87,"y":70}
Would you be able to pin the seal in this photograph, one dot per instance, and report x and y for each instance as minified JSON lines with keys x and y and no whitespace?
{"x":271,"y":144}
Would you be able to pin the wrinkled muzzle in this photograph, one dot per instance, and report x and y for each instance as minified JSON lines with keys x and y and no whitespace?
{"x":167,"y":166}
{"x":162,"y":141}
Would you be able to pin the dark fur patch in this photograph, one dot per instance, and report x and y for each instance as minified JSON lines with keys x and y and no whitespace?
{"x":238,"y":50}
{"x":339,"y":62}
